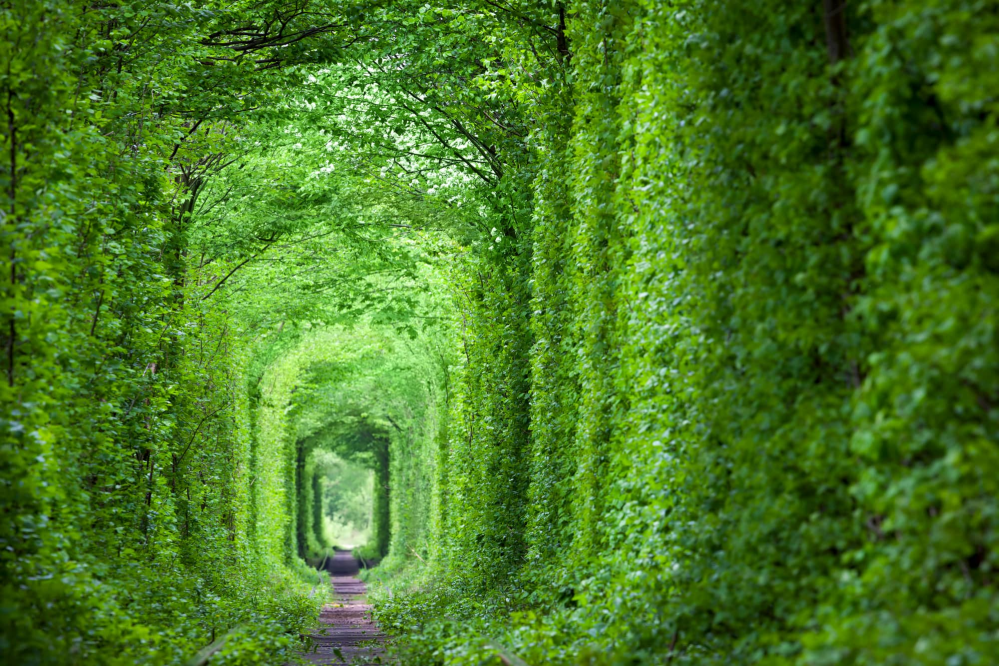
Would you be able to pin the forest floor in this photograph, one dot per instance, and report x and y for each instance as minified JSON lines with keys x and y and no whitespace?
{"x":348,"y":635}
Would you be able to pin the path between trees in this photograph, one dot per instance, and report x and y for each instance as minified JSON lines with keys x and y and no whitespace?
{"x":348,"y":634}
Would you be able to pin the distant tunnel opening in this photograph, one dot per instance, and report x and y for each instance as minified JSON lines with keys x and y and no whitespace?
{"x":344,"y":490}
{"x":344,"y":486}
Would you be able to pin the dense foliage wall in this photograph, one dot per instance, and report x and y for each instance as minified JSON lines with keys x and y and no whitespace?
{"x":129,"y":517}
{"x":759,"y":328}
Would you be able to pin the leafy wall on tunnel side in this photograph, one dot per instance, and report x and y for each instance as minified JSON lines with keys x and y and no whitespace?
{"x":762,"y":314}
{"x":125,"y":445}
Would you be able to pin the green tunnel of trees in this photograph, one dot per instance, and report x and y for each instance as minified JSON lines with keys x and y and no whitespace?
{"x":668,"y":330}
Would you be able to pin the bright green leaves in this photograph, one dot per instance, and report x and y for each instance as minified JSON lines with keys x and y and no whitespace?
{"x":124,"y":415}
{"x":762,"y":308}
{"x":667,"y":329}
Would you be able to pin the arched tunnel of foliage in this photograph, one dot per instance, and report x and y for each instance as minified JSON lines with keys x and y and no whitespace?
{"x":370,"y":397}
{"x":667,"y":330}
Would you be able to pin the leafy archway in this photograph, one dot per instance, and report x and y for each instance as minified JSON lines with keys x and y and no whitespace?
{"x":669,"y":327}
